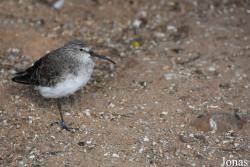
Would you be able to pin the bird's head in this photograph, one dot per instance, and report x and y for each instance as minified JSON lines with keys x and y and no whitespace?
{"x":79,"y":48}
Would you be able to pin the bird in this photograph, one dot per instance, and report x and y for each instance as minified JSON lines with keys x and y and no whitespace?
{"x":60,"y":73}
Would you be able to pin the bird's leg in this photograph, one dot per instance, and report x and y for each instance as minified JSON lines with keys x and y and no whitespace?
{"x":72,"y":100}
{"x":61,"y":123}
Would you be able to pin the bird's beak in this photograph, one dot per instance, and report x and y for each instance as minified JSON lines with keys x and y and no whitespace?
{"x":101,"y":57}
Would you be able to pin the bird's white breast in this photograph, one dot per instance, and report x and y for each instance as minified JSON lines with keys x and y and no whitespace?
{"x":70,"y":85}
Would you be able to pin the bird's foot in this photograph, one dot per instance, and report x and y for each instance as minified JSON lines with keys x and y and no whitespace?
{"x":64,"y":126}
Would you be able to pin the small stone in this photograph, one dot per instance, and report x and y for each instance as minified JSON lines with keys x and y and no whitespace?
{"x":106,"y":154}
{"x":87,"y":112}
{"x":146,"y":139}
{"x":5,"y":122}
{"x":170,"y":76}
{"x":20,"y":162}
{"x":179,"y":111}
{"x":191,"y":135}
{"x":30,"y":119}
{"x":67,"y":114}
{"x":164,"y":113}
{"x":89,"y":142}
{"x":137,"y":23}
{"x":111,"y":105}
{"x":166,"y":68}
{"x":32,"y":156}
{"x":115,"y":155}
{"x":141,"y":150}
{"x":237,"y":145}
{"x":83,"y":126}
{"x":172,"y":28}
{"x":187,"y":138}
{"x":211,"y":69}
{"x":12,"y":71}
{"x":142,"y":83}
{"x":159,"y":35}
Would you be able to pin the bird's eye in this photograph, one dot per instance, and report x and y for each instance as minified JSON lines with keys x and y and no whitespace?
{"x":84,"y":50}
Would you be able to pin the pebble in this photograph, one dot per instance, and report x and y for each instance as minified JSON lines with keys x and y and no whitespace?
{"x":30,"y":119}
{"x":137,"y":23}
{"x":164,"y":113}
{"x":211,"y":69}
{"x":106,"y":154}
{"x":146,"y":139}
{"x":111,"y":105}
{"x":170,"y":76}
{"x":172,"y":28}
{"x":88,"y":141}
{"x":141,"y":150}
{"x":115,"y":155}
{"x":159,"y":35}
{"x":187,"y":138}
{"x":5,"y":122}
{"x":67,"y":114}
{"x":32,"y":156}
{"x":179,"y":111}
{"x":87,"y":112}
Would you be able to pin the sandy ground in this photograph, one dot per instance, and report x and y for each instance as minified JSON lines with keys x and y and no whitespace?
{"x":178,"y":96}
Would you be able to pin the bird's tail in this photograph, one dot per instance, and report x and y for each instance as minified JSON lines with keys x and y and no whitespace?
{"x":21,"y":77}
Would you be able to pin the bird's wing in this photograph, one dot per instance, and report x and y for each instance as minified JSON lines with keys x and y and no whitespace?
{"x":44,"y":72}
